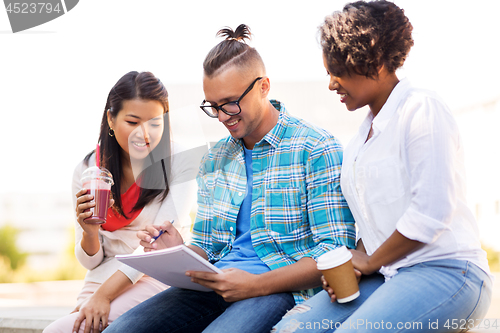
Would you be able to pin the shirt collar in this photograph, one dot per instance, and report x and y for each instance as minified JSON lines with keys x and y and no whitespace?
{"x":390,"y":106}
{"x":274,"y":136}
{"x":365,"y":125}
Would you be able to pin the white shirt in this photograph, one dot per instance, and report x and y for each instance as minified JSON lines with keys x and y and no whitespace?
{"x":410,"y":177}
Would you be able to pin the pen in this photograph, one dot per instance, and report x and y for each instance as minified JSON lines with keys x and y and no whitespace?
{"x":161,"y":233}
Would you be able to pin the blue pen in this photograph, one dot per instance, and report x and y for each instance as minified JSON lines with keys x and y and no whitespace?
{"x":161,"y":233}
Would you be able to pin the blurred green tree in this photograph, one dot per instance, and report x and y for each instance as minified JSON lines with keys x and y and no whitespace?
{"x":69,"y":268}
{"x":8,"y":248}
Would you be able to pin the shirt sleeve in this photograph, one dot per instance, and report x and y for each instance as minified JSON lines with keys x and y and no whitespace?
{"x":89,"y":262}
{"x":330,"y":219}
{"x":431,"y":149}
{"x":132,"y":274}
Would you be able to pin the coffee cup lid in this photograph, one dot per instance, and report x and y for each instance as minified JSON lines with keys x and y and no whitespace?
{"x":100,"y":173}
{"x":334,"y":258}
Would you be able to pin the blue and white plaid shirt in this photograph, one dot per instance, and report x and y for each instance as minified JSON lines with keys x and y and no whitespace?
{"x":298,"y":209}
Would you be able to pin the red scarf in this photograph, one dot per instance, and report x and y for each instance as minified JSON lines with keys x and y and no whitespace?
{"x":115,"y":221}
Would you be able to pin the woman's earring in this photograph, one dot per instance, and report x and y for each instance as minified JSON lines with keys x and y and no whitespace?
{"x":111,"y":132}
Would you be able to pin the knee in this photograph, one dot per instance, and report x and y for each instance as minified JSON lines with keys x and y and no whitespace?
{"x":52,"y":328}
{"x":289,"y":323}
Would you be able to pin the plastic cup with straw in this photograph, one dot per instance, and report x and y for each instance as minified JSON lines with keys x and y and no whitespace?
{"x":98,"y":181}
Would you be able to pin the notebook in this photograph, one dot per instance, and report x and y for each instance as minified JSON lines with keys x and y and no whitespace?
{"x":170,"y":265}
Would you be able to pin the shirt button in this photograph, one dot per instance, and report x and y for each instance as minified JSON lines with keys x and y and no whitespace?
{"x":240,"y":194}
{"x":231,"y":228}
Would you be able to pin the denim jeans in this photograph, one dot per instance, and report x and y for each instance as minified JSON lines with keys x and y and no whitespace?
{"x":426,"y":297}
{"x":182,"y":310}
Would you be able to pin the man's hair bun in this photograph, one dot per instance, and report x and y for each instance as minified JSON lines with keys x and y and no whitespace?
{"x":241,"y":33}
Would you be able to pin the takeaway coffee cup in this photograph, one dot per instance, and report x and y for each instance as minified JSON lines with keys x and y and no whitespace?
{"x":98,"y":182}
{"x":336,"y":266}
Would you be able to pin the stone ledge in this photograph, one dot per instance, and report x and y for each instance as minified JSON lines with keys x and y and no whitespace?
{"x":17,"y":325}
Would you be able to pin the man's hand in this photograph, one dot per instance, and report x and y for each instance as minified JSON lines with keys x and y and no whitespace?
{"x":233,"y":285}
{"x":329,"y":289}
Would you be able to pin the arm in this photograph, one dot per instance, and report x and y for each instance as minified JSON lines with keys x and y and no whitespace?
{"x":431,"y":155}
{"x":199,"y":251}
{"x":299,"y":276}
{"x":96,"y":308}
{"x":330,"y":219}
{"x":235,"y":284}
{"x":394,"y":248}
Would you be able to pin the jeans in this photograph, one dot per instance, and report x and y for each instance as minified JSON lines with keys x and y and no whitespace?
{"x":426,"y":297}
{"x":182,"y":310}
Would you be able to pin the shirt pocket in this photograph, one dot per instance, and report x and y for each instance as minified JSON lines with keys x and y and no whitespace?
{"x":222,"y":238}
{"x":283,"y":212}
{"x":383,"y":181}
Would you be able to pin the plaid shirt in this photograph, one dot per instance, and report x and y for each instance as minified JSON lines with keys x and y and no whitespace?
{"x":298,"y":209}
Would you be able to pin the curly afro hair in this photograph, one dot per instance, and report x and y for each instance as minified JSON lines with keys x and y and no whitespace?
{"x":364,"y":36}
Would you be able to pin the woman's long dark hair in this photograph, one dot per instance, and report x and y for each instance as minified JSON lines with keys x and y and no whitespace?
{"x":154,"y":179}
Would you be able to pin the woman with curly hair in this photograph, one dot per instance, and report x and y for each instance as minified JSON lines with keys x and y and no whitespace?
{"x":418,"y":256}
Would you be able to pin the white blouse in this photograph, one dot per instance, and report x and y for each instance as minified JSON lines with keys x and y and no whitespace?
{"x":410,"y":176}
{"x":177,"y":206}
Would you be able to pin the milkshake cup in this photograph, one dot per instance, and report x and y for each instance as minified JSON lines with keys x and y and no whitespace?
{"x":98,"y":182}
{"x":336,"y":266}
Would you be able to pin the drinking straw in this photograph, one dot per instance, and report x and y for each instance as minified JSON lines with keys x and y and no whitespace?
{"x":97,"y":155}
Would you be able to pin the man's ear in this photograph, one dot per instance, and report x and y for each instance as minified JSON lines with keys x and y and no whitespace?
{"x":265,"y":87}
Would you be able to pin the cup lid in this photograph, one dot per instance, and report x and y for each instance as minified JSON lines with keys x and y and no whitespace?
{"x":100,"y":173}
{"x":334,"y":258}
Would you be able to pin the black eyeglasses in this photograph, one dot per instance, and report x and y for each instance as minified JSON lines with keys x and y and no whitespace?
{"x":230,"y":108}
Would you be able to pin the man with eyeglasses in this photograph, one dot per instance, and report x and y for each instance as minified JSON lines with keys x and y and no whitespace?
{"x":269,"y":204}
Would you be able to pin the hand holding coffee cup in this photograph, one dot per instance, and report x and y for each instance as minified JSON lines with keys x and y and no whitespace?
{"x":338,"y":271}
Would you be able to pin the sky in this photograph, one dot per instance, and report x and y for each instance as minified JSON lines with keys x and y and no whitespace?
{"x":54,"y":78}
